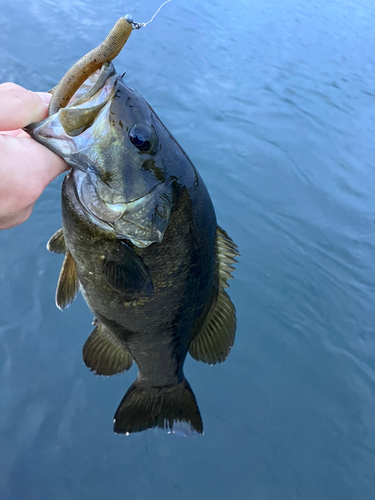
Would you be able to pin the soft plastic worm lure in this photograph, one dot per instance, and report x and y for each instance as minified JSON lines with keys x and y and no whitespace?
{"x":89,"y":63}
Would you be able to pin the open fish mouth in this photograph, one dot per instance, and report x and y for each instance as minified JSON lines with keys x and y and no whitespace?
{"x":67,"y":132}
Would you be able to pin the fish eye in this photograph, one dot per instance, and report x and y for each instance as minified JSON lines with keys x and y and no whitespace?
{"x":142,"y":137}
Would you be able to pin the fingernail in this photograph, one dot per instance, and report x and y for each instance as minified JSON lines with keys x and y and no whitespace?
{"x":44,"y":96}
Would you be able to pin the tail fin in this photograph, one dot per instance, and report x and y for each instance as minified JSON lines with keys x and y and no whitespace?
{"x":145,"y":407}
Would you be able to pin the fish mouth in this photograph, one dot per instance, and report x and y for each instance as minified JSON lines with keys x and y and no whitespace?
{"x":143,"y":221}
{"x":66,"y":132}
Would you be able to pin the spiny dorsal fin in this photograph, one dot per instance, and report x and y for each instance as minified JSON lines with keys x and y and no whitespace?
{"x":68,"y":284}
{"x":127,"y":274}
{"x":104,"y":354}
{"x":56,"y":243}
{"x":215,"y":340}
{"x":226,"y":253}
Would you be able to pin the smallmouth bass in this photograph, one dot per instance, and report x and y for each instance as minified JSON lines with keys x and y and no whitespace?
{"x":142,"y":244}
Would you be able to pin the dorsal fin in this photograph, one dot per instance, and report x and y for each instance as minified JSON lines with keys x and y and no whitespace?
{"x":226,"y":253}
{"x":68,"y":284}
{"x":104,"y":354}
{"x":56,"y":243}
{"x":215,"y":340}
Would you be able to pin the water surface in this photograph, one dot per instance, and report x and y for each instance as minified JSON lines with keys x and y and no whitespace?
{"x":274,"y":103}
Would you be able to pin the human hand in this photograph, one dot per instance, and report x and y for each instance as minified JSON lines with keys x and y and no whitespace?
{"x":26,"y":167}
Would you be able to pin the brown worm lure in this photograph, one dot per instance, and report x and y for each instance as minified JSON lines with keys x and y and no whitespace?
{"x":89,"y":63}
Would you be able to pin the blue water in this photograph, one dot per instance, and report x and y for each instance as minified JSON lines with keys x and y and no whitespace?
{"x":274,"y":102}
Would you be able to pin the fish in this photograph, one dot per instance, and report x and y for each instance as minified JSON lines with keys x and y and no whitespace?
{"x":142,"y":244}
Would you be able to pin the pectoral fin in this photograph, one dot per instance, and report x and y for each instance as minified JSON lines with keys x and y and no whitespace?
{"x":56,"y":243}
{"x":127,"y":274}
{"x":68,"y":284}
{"x":215,"y":340}
{"x":104,"y":354}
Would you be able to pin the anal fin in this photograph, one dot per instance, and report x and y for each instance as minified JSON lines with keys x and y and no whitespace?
{"x":68,"y":284}
{"x":215,"y":340}
{"x":104,"y":354}
{"x":56,"y":243}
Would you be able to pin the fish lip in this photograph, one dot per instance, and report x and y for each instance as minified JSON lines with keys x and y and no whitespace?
{"x":106,"y":71}
{"x":101,"y":89}
{"x":104,"y":97}
{"x":51,"y":134}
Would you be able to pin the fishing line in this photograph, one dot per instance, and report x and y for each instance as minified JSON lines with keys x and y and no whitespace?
{"x":137,"y":26}
{"x":88,"y":64}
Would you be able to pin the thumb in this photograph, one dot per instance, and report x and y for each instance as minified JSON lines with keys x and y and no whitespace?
{"x":20,"y":107}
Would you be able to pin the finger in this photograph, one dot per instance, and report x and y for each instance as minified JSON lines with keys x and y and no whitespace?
{"x":45,"y":96}
{"x":27,"y":168}
{"x":44,"y":165}
{"x":13,"y":133}
{"x":20,"y":107}
{"x":11,"y":219}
